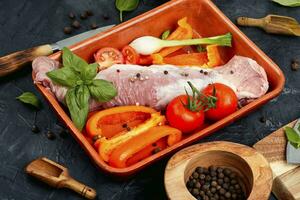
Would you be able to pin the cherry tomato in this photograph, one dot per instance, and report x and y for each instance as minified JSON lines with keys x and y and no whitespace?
{"x":181,"y":117}
{"x":130,"y":55}
{"x":108,"y":56}
{"x":226,"y":101}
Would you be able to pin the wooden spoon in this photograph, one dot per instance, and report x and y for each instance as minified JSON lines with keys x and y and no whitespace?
{"x":57,"y":176}
{"x":273,"y":24}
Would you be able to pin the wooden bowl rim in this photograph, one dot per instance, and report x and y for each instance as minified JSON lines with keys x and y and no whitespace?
{"x":224,"y":146}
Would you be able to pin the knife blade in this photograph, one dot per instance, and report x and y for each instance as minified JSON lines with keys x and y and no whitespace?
{"x":17,"y":60}
{"x":293,"y":154}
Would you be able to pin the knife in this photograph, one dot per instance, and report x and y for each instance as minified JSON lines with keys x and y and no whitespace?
{"x":15,"y":61}
{"x":293,"y":154}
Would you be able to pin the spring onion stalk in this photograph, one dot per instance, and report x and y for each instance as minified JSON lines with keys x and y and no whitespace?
{"x":147,"y":45}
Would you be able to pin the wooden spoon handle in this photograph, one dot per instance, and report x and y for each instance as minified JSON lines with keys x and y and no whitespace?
{"x":80,"y":188}
{"x":245,"y":21}
{"x":15,"y":61}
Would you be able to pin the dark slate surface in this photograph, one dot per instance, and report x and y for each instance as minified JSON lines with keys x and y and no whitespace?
{"x":25,"y":23}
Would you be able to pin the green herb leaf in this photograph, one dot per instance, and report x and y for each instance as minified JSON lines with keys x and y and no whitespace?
{"x":64,"y":76}
{"x":165,"y":34}
{"x":292,"y":136}
{"x":29,"y":98}
{"x":289,"y":3}
{"x":73,"y":61}
{"x":102,"y":90}
{"x":299,"y":127}
{"x":89,"y":72}
{"x":77,"y":100}
{"x":126,"y":5}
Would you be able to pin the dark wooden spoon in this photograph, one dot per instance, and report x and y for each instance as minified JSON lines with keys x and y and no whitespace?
{"x":57,"y":176}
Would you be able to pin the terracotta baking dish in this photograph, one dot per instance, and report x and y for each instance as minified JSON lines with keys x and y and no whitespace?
{"x":208,"y":20}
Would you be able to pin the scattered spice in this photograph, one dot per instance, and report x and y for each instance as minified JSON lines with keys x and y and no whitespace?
{"x":50,"y":135}
{"x":63,"y":133}
{"x":205,"y":73}
{"x":186,"y":74}
{"x":166,"y":72}
{"x":67,"y":30}
{"x":94,"y":25}
{"x":118,"y":70}
{"x":71,"y":15}
{"x":89,"y":13}
{"x":262,"y":119}
{"x":35,"y":129}
{"x":138,"y":75}
{"x":124,"y":125}
{"x":231,"y":72}
{"x":201,"y":71}
{"x":76,"y":24}
{"x":83,"y":16}
{"x":205,"y":184}
{"x":295,"y":64}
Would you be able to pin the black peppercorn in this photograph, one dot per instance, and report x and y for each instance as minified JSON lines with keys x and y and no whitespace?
{"x":62,"y":133}
{"x":221,"y":175}
{"x":228,"y":195}
{"x":201,"y":71}
{"x":199,"y":170}
{"x":71,"y":15}
{"x":94,"y":25}
{"x":89,"y":13}
{"x":50,"y":135}
{"x":118,"y":70}
{"x":105,"y":16}
{"x":263,"y":119}
{"x":214,"y":183}
{"x":68,"y":30}
{"x":83,"y":16}
{"x":35,"y":129}
{"x":195,"y":174}
{"x":138,"y":75}
{"x":205,"y":73}
{"x":166,"y":72}
{"x":76,"y":24}
{"x":295,"y":64}
{"x":202,"y":176}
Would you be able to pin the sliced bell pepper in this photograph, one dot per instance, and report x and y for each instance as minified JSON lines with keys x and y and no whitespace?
{"x":108,"y":145}
{"x":183,"y":31}
{"x":192,"y":59}
{"x":145,"y":60}
{"x":147,"y":151}
{"x":107,"y":123}
{"x":214,"y":54}
{"x":121,"y":154}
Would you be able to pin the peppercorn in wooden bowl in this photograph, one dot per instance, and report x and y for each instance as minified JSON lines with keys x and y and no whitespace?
{"x":218,"y":170}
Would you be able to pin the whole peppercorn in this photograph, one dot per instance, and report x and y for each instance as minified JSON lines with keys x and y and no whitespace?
{"x":222,"y":191}
{"x":227,"y":172}
{"x":219,"y":169}
{"x":50,"y":135}
{"x":197,"y":185}
{"x":195,"y":191}
{"x":295,"y":64}
{"x":226,"y":180}
{"x":35,"y":129}
{"x":228,"y":195}
{"x":221,"y":175}
{"x":76,"y":24}
{"x":83,"y":16}
{"x":195,"y":174}
{"x":67,"y":30}
{"x":71,"y":15}
{"x":214,"y":183}
{"x":202,"y":176}
{"x":199,"y":170}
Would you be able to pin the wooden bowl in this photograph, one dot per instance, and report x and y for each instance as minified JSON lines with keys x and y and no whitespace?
{"x":207,"y":20}
{"x":255,"y":175}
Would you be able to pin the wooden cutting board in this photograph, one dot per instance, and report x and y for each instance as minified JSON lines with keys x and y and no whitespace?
{"x":286,"y":185}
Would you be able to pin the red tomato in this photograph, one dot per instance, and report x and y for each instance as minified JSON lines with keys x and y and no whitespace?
{"x":130,"y":55}
{"x":226,"y":102}
{"x":145,"y":60}
{"x":182,"y":118}
{"x":108,"y":56}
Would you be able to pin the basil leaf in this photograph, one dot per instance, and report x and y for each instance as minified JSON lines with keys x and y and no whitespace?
{"x":77,"y":100}
{"x":299,"y":127}
{"x":289,"y":3}
{"x":200,"y":48}
{"x":73,"y":61}
{"x":89,"y":72}
{"x":126,"y":5}
{"x":102,"y":90}
{"x":29,"y":98}
{"x":165,"y":34}
{"x":292,"y":136}
{"x":64,"y":76}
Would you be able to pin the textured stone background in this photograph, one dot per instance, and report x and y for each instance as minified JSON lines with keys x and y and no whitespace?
{"x":26,"y":23}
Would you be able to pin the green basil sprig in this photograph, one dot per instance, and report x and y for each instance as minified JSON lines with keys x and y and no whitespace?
{"x":126,"y":5}
{"x":289,"y":3}
{"x":292,"y":137}
{"x":78,"y":76}
{"x":29,"y":98}
{"x":165,"y":34}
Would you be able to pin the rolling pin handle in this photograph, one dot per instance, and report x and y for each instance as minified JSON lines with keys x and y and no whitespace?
{"x":80,"y":188}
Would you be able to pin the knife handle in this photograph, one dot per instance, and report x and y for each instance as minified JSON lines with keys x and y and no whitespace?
{"x":287,"y":185}
{"x":15,"y":61}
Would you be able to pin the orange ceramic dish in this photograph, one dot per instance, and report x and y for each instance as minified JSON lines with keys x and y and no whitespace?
{"x":204,"y":17}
